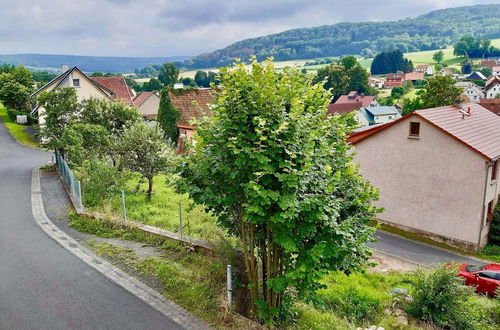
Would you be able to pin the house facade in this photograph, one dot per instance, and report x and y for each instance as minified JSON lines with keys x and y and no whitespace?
{"x":436,"y":170}
{"x":375,"y":115}
{"x":495,"y":70}
{"x":147,"y":103}
{"x":424,"y":68}
{"x":492,"y":87}
{"x":471,"y":91}
{"x":84,"y":86}
{"x":394,"y":79}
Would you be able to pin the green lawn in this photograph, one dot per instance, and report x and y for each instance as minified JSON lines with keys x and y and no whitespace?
{"x":17,"y":130}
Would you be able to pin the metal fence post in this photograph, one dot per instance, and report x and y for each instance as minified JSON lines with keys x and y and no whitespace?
{"x":180,"y":218}
{"x":80,"y":192}
{"x":229,"y":288}
{"x":124,"y":207}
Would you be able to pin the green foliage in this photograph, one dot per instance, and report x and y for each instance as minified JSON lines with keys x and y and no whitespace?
{"x":43,"y":76}
{"x":204,"y":79}
{"x":470,"y":47}
{"x":486,"y":71}
{"x":169,"y":74}
{"x":438,"y":56}
{"x":341,"y":78}
{"x":309,"y":317}
{"x":143,"y":150}
{"x":168,"y":116}
{"x":60,"y":107}
{"x":16,"y":86}
{"x":153,"y":85}
{"x":100,"y":181}
{"x":440,"y":297}
{"x":494,"y":233}
{"x":397,"y":92}
{"x":189,"y":82}
{"x":84,"y":141}
{"x":390,"y":62}
{"x":426,"y":32}
{"x":277,"y":174}
{"x":440,"y":91}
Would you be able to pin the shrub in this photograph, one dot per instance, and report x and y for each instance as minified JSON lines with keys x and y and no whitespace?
{"x":440,"y":297}
{"x":494,"y":234}
{"x":309,"y":317}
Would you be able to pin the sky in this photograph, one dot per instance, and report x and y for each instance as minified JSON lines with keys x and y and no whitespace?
{"x":179,"y":27}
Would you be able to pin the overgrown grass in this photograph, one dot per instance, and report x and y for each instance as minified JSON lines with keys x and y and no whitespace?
{"x":163,"y":210}
{"x":17,"y":130}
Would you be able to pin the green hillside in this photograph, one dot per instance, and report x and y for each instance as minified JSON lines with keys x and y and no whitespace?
{"x":435,"y":30}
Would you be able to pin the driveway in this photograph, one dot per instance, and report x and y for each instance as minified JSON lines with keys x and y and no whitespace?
{"x":42,"y":285}
{"x":416,"y":252}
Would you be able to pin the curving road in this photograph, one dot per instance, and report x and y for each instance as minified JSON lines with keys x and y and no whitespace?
{"x":42,"y":285}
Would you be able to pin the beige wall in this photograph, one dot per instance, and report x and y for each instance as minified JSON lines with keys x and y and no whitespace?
{"x":150,"y":106}
{"x":86,"y":90}
{"x":434,"y":184}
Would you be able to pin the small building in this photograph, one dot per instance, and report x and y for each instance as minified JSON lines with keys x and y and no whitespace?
{"x":495,"y":70}
{"x":147,"y":103}
{"x":446,"y":71}
{"x":471,"y":91}
{"x":492,"y":88}
{"x":379,"y":114}
{"x":376,"y":82}
{"x":118,"y":85}
{"x":424,"y":68}
{"x":394,"y":79}
{"x":84,"y":86}
{"x":476,"y":76}
{"x":352,"y":102}
{"x":414,"y":76}
{"x":488,"y":63}
{"x":436,"y":170}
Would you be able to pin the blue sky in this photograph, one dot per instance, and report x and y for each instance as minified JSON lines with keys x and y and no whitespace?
{"x":178,"y":27}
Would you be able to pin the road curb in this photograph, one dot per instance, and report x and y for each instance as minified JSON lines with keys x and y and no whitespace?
{"x":129,"y":283}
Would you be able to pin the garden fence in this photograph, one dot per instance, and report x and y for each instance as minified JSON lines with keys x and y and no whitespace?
{"x":69,"y":179}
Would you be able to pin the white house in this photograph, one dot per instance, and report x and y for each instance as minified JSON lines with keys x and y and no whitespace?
{"x":424,"y":68}
{"x":147,"y":103}
{"x":492,"y":87}
{"x":496,"y":70}
{"x":471,"y":91}
{"x":374,"y":115}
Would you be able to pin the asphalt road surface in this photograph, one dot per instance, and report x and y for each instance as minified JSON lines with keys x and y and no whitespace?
{"x":42,"y":285}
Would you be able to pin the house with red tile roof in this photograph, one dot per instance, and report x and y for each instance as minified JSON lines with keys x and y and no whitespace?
{"x":495,"y":70}
{"x":394,"y":79}
{"x":488,"y":63}
{"x":492,"y":87}
{"x":436,"y":170}
{"x":147,"y":103}
{"x":414,"y":76}
{"x":117,"y":85}
{"x":351,"y":102}
{"x":491,"y":104}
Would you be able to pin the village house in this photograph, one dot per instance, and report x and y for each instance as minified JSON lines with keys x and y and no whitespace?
{"x":84,"y":86}
{"x":351,"y":102}
{"x":476,"y":76}
{"x":377,"y":115}
{"x":471,"y":91}
{"x":436,"y":170}
{"x":424,"y":68}
{"x":376,"y":82}
{"x":491,"y":104}
{"x":147,"y":103}
{"x":192,"y":104}
{"x":495,"y":70}
{"x":414,"y":76}
{"x":118,"y":85}
{"x":446,"y":71}
{"x":488,"y":63}
{"x":492,"y":87}
{"x":394,"y":79}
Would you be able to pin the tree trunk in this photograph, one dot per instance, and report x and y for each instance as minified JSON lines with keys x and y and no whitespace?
{"x":247,"y":240}
{"x":150,"y":188}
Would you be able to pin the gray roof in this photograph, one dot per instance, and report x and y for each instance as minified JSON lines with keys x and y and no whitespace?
{"x":382,"y":110}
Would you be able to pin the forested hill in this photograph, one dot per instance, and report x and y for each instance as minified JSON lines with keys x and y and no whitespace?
{"x":434,"y":30}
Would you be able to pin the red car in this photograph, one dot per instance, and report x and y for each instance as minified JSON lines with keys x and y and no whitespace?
{"x":485,"y":278}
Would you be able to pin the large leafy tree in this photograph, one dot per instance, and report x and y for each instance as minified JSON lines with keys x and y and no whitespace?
{"x":168,"y":116}
{"x":278,"y":174}
{"x":16,"y":86}
{"x":439,"y":91}
{"x":169,"y":74}
{"x":341,"y":78}
{"x":392,"y":61}
{"x":438,"y":56}
{"x":60,"y":106}
{"x":85,"y":141}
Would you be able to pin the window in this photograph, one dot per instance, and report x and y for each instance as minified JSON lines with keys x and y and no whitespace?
{"x":494,"y":170}
{"x":414,"y":129}
{"x":488,"y":274}
{"x":76,"y":82}
{"x":489,"y":211}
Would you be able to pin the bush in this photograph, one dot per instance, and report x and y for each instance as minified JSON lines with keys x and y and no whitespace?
{"x":494,"y":234}
{"x":14,"y":113}
{"x":357,"y":297}
{"x":441,"y":298}
{"x":309,"y":317}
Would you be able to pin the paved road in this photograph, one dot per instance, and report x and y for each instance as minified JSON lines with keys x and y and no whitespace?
{"x":42,"y":285}
{"x":416,"y":252}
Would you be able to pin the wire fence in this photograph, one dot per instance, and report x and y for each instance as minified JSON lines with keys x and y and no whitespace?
{"x":69,"y":179}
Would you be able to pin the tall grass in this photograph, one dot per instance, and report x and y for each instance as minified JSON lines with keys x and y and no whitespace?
{"x":17,"y":130}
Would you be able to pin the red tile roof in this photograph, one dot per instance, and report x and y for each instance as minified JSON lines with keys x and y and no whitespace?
{"x":414,"y":76}
{"x":343,"y":107}
{"x":394,"y":76}
{"x":422,"y":66}
{"x":492,"y":81}
{"x":355,"y":97}
{"x":118,"y":86}
{"x":488,"y":63}
{"x":141,"y":98}
{"x":192,"y":104}
{"x":491,"y":104}
{"x":479,"y":130}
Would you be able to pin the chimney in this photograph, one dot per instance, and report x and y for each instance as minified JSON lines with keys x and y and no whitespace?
{"x":64,"y":68}
{"x":468,"y":110}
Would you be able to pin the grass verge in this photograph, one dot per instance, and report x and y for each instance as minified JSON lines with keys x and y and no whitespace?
{"x":16,"y":130}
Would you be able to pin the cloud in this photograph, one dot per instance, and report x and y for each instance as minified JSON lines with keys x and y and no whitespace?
{"x":173,"y":27}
